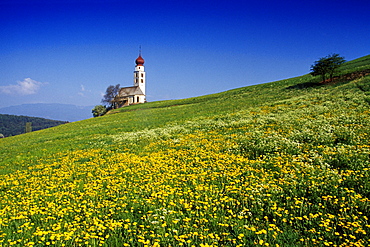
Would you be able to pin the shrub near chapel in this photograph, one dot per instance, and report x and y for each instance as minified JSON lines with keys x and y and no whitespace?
{"x":99,"y":110}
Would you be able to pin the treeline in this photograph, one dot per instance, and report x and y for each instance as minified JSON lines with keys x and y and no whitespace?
{"x":11,"y":125}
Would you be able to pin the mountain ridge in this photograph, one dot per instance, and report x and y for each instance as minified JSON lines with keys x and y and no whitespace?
{"x":54,"y":111}
{"x":11,"y":125}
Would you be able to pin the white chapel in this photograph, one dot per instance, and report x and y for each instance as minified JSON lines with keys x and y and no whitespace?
{"x":136,"y":94}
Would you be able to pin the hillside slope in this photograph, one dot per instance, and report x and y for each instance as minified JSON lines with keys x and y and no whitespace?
{"x":277,"y":164}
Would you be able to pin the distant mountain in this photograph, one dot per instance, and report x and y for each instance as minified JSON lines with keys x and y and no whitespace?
{"x":11,"y":125}
{"x":62,"y":112}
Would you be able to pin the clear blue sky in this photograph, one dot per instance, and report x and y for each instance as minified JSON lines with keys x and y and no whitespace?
{"x":67,"y":51}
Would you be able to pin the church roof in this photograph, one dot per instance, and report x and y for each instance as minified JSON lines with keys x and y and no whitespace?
{"x":130,"y":91}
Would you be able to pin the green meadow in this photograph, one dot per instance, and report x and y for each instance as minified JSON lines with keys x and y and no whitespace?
{"x":285,"y":163}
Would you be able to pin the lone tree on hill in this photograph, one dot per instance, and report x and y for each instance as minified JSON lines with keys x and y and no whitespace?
{"x":110,"y":94}
{"x":327,"y":65}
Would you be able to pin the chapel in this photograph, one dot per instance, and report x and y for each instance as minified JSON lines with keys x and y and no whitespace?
{"x":135,"y":94}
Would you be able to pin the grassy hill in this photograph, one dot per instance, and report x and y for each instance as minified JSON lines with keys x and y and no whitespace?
{"x":11,"y":125}
{"x":284,"y":163}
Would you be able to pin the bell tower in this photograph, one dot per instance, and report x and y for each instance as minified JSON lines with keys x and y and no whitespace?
{"x":139,"y":74}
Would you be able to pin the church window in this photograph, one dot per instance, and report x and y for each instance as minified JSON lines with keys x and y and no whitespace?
{"x":142,"y":75}
{"x":142,"y":80}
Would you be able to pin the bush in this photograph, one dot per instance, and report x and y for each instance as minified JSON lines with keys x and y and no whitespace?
{"x":99,"y":110}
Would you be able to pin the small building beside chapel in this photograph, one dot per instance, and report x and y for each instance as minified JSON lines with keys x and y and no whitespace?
{"x":136,"y":94}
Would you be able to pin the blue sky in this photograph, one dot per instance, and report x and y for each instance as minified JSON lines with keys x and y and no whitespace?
{"x":67,"y":51}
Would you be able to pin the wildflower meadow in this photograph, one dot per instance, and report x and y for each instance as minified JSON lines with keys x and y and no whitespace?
{"x":274,"y":164}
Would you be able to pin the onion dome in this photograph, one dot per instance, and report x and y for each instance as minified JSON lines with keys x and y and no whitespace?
{"x":139,"y":61}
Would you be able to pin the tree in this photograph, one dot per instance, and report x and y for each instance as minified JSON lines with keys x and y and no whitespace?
{"x":28,"y":127}
{"x":109,"y":96}
{"x":99,"y":110}
{"x":327,"y":66}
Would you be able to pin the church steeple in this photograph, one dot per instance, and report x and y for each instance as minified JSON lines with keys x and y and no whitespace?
{"x":139,"y":74}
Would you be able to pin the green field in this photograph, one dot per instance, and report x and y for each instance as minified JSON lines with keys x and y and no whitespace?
{"x":284,"y":163}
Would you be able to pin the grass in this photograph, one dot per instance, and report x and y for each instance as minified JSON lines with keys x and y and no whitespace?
{"x":270,"y":165}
